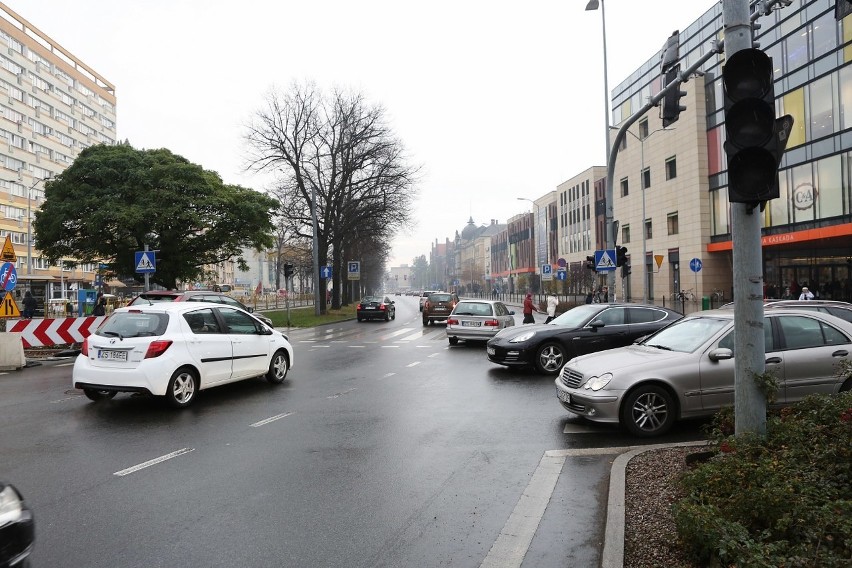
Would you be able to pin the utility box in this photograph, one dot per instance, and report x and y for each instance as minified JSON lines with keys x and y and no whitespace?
{"x":86,"y":302}
{"x":705,"y":302}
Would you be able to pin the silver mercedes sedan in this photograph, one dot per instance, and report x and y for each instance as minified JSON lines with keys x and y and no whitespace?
{"x":478,"y":320}
{"x":687,"y":369}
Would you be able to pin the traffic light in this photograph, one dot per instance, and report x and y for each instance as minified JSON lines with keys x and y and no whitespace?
{"x":590,"y":263}
{"x":625,"y":270}
{"x":288,"y":270}
{"x":755,"y":138}
{"x":620,"y":256}
{"x":670,"y":106}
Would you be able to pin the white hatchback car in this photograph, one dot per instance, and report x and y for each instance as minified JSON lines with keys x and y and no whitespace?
{"x":177,"y":349}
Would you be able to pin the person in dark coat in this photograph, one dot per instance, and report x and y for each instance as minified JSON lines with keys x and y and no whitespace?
{"x":30,"y":305}
{"x":100,"y":307}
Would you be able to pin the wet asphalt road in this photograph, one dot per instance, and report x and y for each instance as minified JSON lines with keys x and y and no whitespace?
{"x":385,"y":447}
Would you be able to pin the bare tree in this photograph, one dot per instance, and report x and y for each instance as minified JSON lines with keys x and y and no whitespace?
{"x":337,"y":156}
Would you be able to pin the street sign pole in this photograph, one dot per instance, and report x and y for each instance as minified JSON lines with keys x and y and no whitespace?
{"x":147,"y":281}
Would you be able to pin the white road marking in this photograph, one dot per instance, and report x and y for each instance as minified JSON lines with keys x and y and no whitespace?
{"x":413,"y":364}
{"x":342,"y":393}
{"x":412,"y":337}
{"x":434,"y":355}
{"x":357,"y":346}
{"x":390,"y":346}
{"x":511,"y":546}
{"x":154,"y":461}
{"x":65,"y":399}
{"x":271,"y":419}
{"x":64,"y":364}
{"x":386,"y":375}
{"x":397,"y":332}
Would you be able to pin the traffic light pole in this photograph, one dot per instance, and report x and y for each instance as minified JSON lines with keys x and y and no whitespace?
{"x":749,"y":339}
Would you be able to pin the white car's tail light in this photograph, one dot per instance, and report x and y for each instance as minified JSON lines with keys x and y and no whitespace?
{"x":157,"y":348}
{"x":84,"y":350}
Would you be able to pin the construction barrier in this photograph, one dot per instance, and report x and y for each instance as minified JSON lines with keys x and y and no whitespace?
{"x":57,"y":331}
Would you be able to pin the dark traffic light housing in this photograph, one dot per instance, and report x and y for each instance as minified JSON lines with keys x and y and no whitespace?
{"x":670,"y":107}
{"x":288,"y":270}
{"x":620,"y":256}
{"x":590,"y":263}
{"x":755,"y":138}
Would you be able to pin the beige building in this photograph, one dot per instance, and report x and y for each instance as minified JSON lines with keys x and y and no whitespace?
{"x":52,"y":106}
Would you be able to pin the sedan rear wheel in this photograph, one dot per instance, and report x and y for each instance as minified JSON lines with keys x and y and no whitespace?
{"x":549,"y":358}
{"x":453,"y":340}
{"x":278,"y":367}
{"x":96,"y":395}
{"x":182,"y":388}
{"x":648,"y":411}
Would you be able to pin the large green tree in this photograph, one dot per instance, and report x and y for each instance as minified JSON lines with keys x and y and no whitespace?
{"x":114,"y":200}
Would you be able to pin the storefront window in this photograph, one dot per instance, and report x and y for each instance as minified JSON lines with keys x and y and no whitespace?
{"x":846,"y":97}
{"x":822,"y":115}
{"x":719,"y":207}
{"x":829,"y":188}
{"x":794,"y":105}
{"x":779,"y":209}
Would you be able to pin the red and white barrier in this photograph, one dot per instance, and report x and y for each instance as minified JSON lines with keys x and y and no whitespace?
{"x":59,"y":331}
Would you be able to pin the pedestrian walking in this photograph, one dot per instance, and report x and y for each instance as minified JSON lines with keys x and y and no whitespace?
{"x":30,"y":305}
{"x":529,"y":308}
{"x":100,"y":307}
{"x":552,"y":302}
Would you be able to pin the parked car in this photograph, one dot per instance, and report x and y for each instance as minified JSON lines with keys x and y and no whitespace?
{"x":376,"y":307}
{"x":17,"y":528}
{"x":196,"y":296}
{"x":687,"y":369}
{"x":478,"y":320}
{"x":843,"y":310}
{"x":424,"y":295}
{"x":175,"y":349}
{"x":584,"y":329}
{"x":438,"y":307}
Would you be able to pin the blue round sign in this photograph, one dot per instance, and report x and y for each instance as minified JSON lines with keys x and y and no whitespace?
{"x":695,"y":264}
{"x":8,"y":276}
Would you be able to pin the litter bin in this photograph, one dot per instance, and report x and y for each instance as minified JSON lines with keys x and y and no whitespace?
{"x":705,"y":302}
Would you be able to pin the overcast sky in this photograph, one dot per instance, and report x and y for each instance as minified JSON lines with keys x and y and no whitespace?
{"x":495,"y":100}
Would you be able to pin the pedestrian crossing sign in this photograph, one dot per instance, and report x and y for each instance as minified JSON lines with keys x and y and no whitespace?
{"x":605,"y":260}
{"x":145,"y":261}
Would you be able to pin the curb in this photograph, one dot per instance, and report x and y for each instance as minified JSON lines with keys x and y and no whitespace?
{"x":613,"y":550}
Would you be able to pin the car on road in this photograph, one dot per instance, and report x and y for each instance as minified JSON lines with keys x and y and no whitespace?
{"x":438,"y":307}
{"x":17,"y":528}
{"x":687,"y":369}
{"x":843,"y":310}
{"x":478,"y":320}
{"x":176,"y":349}
{"x":195,"y":296}
{"x":376,"y":307}
{"x":583,"y":329}
{"x":424,"y":295}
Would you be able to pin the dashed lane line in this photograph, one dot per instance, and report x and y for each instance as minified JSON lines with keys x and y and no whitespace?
{"x":154,"y":461}
{"x":270,"y":419}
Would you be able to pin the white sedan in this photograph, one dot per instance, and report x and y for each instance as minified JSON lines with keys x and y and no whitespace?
{"x":478,"y":320}
{"x":176,"y":349}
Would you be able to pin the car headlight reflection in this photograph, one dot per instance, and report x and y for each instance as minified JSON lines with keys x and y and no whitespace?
{"x":522,"y":337}
{"x":597,"y":383}
{"x":10,"y":505}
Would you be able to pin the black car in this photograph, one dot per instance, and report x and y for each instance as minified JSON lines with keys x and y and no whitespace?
{"x":583,"y":329}
{"x":17,"y":529}
{"x":376,"y":307}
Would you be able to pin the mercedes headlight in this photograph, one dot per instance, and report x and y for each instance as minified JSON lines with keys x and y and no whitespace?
{"x":597,"y":383}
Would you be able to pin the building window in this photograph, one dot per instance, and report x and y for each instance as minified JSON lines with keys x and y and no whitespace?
{"x":646,"y":178}
{"x":625,"y":234}
{"x":643,"y":129}
{"x":671,"y":168}
{"x":671,"y":223}
{"x":625,"y":190}
{"x":649,"y":231}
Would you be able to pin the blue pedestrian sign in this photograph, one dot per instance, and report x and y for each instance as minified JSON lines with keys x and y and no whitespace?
{"x":145,"y":261}
{"x":695,"y":264}
{"x":8,"y":276}
{"x":325,"y":272}
{"x":605,"y":260}
{"x":562,"y":274}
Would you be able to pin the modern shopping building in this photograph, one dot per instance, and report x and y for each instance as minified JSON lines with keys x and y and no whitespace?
{"x":52,"y":106}
{"x":678,"y":176}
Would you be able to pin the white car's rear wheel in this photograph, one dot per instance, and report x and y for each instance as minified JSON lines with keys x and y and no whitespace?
{"x":183,"y":386}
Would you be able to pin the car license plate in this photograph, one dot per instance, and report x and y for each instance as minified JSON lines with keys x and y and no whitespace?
{"x":370,"y":307}
{"x":471,"y":323}
{"x":112,"y":355}
{"x":563,"y":396}
{"x":490,"y":350}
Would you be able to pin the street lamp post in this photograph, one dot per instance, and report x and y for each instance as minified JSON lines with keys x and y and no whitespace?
{"x":644,"y":217}
{"x":30,"y":225}
{"x":610,"y":194}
